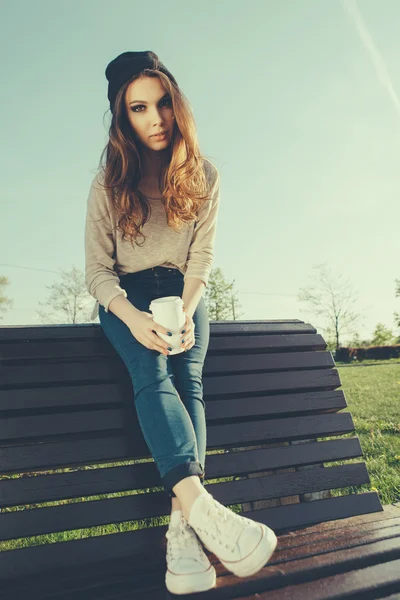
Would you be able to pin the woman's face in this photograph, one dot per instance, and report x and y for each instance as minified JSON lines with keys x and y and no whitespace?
{"x":149,"y":110}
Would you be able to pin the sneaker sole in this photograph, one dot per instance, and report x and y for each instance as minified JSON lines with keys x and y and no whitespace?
{"x":188,"y":584}
{"x":257,"y":559}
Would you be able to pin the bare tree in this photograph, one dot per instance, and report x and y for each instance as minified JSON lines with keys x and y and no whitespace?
{"x":333,"y":301}
{"x":5,"y":303}
{"x":68,"y":300}
{"x":220,"y":298}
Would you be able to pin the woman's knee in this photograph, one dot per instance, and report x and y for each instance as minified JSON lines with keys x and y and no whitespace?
{"x":151,"y":371}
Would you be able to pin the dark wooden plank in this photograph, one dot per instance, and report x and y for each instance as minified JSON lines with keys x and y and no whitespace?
{"x":63,"y":349}
{"x":258,"y":343}
{"x":127,"y":508}
{"x":100,"y":349}
{"x":48,"y":488}
{"x":272,"y":382}
{"x":41,"y":374}
{"x":343,"y":538}
{"x":144,"y":585}
{"x":16,"y":373}
{"x":113,"y":549}
{"x":29,"y":399}
{"x":282,"y":579}
{"x":18,"y":400}
{"x":13,"y":333}
{"x":326,"y":539}
{"x":85,"y":371}
{"x":370,"y":582}
{"x":283,"y":361}
{"x":253,"y":342}
{"x":388,"y":513}
{"x":293,"y":516}
{"x":98,"y":586}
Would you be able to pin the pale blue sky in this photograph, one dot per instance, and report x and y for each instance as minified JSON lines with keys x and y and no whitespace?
{"x":295,"y":105}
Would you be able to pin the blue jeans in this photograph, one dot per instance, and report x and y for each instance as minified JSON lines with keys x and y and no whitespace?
{"x":168,"y":390}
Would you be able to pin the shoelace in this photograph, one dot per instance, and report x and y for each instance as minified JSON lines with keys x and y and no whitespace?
{"x":181,"y":538}
{"x":226,"y":537}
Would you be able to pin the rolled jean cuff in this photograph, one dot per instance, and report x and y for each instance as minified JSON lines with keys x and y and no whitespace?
{"x":186,"y":469}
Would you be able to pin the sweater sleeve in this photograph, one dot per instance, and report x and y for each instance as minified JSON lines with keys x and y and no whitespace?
{"x":102,"y":282}
{"x":201,"y":249}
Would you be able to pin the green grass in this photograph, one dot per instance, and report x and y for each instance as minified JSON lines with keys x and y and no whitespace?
{"x":372,"y":391}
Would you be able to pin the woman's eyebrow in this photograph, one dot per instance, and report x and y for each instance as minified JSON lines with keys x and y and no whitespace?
{"x":144,"y":101}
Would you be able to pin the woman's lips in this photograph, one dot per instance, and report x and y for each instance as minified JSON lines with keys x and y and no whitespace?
{"x":159,"y":137}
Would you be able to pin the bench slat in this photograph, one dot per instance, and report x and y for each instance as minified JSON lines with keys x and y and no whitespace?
{"x":265,"y":361}
{"x":110,"y":368}
{"x":100,"y":348}
{"x":15,"y":333}
{"x":113,"y":393}
{"x":319,"y":543}
{"x":290,"y":543}
{"x":376,"y":579}
{"x":224,"y":344}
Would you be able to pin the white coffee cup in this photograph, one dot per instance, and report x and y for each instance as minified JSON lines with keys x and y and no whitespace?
{"x":169,"y":313}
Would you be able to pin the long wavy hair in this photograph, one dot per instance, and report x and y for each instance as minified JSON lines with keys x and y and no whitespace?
{"x":183,"y":180}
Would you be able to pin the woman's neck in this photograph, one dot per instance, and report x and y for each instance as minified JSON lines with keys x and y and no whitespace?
{"x":154,"y":163}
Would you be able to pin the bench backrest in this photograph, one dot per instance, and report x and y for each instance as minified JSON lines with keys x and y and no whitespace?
{"x":67,"y":412}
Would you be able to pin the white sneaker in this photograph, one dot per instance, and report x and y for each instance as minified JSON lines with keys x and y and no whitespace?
{"x":242,"y":545}
{"x":188,"y":568}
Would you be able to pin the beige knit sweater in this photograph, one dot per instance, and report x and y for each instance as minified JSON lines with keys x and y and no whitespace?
{"x":108,"y":257}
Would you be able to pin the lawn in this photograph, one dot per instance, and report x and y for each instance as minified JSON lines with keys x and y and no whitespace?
{"x":372,"y":391}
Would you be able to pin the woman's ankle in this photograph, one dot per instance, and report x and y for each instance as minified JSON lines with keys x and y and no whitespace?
{"x":187,"y":491}
{"x":175,"y":504}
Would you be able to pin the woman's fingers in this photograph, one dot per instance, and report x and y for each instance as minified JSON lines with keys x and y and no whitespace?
{"x":159,"y":343}
{"x":188,"y":337}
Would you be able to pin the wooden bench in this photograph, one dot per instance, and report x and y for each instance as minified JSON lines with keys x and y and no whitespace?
{"x":271,"y":392}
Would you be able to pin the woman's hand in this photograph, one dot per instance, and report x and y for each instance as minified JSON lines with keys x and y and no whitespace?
{"x":188,"y":336}
{"x":145,"y":329}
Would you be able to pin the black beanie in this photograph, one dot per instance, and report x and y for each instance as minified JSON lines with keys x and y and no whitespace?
{"x":128,"y":64}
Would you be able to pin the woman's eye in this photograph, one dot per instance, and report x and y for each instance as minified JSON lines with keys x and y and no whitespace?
{"x":168,"y":100}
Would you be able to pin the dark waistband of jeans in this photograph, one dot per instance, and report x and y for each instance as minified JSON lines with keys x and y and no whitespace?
{"x":154,"y":271}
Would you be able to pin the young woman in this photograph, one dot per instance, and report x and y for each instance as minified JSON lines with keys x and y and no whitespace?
{"x":161,"y":189}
